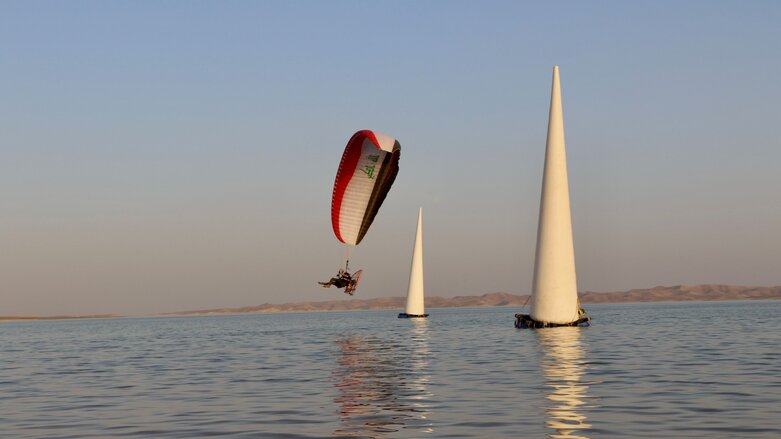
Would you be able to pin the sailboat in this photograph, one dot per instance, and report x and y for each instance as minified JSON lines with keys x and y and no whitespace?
{"x":554,"y":300}
{"x":415,"y":301}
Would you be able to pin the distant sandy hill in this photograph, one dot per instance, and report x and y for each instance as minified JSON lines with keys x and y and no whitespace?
{"x":684,"y":293}
{"x":656,"y":294}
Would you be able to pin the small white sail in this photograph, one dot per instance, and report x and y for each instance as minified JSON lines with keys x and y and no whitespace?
{"x":415,"y":301}
{"x":554,"y":290}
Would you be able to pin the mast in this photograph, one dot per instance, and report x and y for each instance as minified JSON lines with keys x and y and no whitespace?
{"x":415,"y":301}
{"x":554,"y":290}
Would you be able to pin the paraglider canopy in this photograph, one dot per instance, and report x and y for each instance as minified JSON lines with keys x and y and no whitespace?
{"x":368,"y":168}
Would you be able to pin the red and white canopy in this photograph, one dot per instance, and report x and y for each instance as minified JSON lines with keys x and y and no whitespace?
{"x":368,"y":168}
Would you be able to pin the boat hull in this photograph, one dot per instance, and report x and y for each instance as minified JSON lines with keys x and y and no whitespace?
{"x":524,"y":321}
{"x":404,"y":315}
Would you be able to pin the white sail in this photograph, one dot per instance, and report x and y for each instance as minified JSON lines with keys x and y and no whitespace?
{"x":554,"y":290}
{"x":415,"y":300}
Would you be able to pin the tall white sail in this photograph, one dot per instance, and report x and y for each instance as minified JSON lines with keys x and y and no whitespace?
{"x":554,"y":290}
{"x":415,"y":300}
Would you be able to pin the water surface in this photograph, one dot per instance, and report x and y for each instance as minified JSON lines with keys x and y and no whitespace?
{"x":642,"y":370}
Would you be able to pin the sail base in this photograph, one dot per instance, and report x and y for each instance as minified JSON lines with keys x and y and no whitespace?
{"x":524,"y":321}
{"x":404,"y":315}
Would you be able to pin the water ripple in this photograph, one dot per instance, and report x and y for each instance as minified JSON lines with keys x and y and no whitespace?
{"x":645,"y":370}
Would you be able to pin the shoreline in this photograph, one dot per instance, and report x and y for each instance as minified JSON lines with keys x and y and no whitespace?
{"x":208,"y":314}
{"x":677,"y":293}
{"x":37,"y":318}
{"x":673,"y":294}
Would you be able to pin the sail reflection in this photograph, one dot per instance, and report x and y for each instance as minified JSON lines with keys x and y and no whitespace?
{"x":383,"y":384}
{"x":563,"y":365}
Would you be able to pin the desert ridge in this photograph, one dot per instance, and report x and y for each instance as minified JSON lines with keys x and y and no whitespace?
{"x":677,"y":293}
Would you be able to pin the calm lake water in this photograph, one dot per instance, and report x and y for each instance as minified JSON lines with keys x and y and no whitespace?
{"x":642,"y":370}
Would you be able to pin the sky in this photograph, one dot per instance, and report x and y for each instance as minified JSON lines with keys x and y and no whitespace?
{"x":164,"y":156}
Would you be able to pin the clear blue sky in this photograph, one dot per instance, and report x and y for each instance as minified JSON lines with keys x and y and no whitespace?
{"x":158,"y":156}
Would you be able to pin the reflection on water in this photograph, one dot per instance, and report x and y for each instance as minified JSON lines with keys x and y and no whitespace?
{"x":383,"y":384}
{"x":466,"y":374}
{"x":563,"y":363}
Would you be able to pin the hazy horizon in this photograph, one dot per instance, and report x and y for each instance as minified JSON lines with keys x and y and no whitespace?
{"x":162,"y":157}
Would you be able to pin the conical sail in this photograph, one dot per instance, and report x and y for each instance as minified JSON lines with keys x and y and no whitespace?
{"x":554,"y":290}
{"x":415,"y":300}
